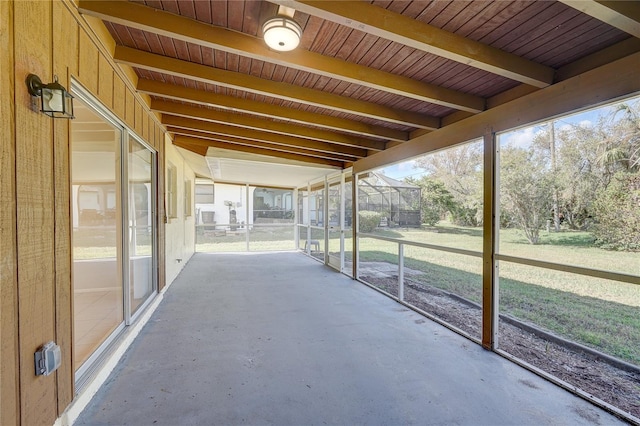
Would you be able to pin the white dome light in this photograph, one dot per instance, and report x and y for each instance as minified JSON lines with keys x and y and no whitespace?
{"x":282,"y":33}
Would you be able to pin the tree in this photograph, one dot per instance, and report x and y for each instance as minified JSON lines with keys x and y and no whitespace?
{"x":459,"y":169}
{"x":547,"y":145}
{"x":436,"y":200}
{"x":617,"y":208}
{"x":588,"y":158}
{"x":620,"y":144}
{"x":573,"y":160}
{"x":584,"y":158}
{"x":526,"y":184}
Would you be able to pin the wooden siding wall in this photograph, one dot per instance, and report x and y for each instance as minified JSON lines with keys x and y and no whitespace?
{"x":47,"y":38}
{"x":8,"y":274}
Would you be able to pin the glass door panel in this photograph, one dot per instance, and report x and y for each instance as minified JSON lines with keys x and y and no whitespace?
{"x":96,"y":231}
{"x":141,"y":232}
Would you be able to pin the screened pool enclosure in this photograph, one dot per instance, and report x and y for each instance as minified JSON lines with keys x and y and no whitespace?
{"x":397,"y":202}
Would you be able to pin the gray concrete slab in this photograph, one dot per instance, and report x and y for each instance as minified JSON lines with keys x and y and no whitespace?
{"x":280,"y":339}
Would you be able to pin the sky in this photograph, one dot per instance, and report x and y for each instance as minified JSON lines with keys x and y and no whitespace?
{"x":520,"y":137}
{"x":402,"y":170}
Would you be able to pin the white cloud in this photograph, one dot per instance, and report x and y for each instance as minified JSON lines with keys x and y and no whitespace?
{"x":520,"y":138}
{"x":400,"y":170}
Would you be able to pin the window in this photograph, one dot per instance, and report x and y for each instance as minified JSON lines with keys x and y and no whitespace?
{"x":172,"y":191}
{"x":96,"y":179}
{"x":204,"y":193}
{"x":187,"y":198}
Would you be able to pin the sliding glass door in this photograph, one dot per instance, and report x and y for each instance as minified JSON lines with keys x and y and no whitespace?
{"x":140,"y":218}
{"x":97,"y":230}
{"x":113,"y":180}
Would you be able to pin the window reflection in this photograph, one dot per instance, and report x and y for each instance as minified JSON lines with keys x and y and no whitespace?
{"x":97,"y":230}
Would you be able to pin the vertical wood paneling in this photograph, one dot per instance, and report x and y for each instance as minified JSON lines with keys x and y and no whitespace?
{"x":138,"y":118}
{"x":35,"y":220}
{"x":36,"y":200}
{"x":119,"y":97}
{"x":129,"y":108}
{"x":145,"y":126}
{"x":9,"y":384}
{"x":101,"y":31}
{"x":88,"y":63}
{"x":105,"y":83}
{"x":159,"y":138}
{"x":152,"y":133}
{"x":155,"y":134}
{"x":65,"y":64}
{"x":65,"y":41}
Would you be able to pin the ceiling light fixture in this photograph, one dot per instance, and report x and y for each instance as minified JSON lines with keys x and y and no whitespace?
{"x":282,"y":33}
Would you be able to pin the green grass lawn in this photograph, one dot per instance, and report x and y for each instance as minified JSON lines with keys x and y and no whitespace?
{"x":599,"y":313}
{"x":567,"y":247}
{"x":260,"y":239}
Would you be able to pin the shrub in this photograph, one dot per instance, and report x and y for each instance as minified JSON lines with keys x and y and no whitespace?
{"x":368,"y":220}
{"x":430,"y":214}
{"x":464,"y":216}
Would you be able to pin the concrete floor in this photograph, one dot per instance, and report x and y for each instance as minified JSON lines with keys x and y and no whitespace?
{"x":281,"y":339}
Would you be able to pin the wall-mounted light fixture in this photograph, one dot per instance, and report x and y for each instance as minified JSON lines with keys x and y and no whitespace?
{"x":282,"y":33}
{"x":56,"y":102}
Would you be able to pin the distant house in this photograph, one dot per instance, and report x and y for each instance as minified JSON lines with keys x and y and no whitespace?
{"x":220,"y":206}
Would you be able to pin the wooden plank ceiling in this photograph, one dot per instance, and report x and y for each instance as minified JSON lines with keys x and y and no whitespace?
{"x":366,"y":76}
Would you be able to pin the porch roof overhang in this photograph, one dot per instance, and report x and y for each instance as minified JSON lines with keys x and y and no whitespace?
{"x":370,"y":83}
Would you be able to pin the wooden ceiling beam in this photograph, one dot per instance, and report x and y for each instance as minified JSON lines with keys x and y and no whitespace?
{"x":198,"y":149}
{"x":262,"y":124}
{"x":290,"y":92}
{"x":602,"y":57}
{"x":257,"y":144}
{"x":256,"y":135}
{"x":194,"y":143}
{"x":611,"y":81}
{"x":188,"y":30}
{"x":389,"y":25}
{"x":187,"y":94}
{"x":623,"y":15}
